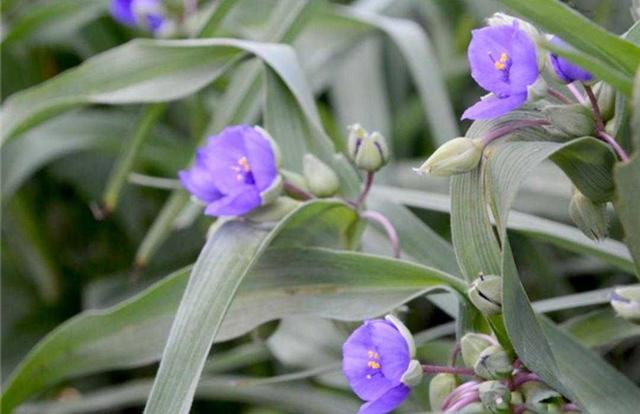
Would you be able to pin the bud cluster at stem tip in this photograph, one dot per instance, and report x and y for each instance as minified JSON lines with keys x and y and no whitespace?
{"x":368,"y":151}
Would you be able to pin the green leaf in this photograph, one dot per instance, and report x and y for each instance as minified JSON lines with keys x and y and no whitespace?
{"x":52,"y":21}
{"x":223,"y":263}
{"x":416,"y":48}
{"x":568,"y":237}
{"x":559,"y":19}
{"x":601,"y":328}
{"x":627,"y":204}
{"x":214,"y":18}
{"x":291,"y":398}
{"x":144,"y":71}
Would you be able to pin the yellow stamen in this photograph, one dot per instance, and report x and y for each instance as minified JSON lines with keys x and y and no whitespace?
{"x":501,"y":64}
{"x":244,"y":163}
{"x":373,"y":355}
{"x":374,"y":365}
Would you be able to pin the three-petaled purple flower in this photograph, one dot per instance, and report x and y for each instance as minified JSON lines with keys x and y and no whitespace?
{"x":566,"y":71}
{"x":147,"y":14}
{"x":235,"y":172}
{"x":377,"y":361}
{"x":503,"y":61}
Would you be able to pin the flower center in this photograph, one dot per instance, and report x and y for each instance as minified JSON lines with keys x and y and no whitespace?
{"x":502,"y":63}
{"x":373,"y":363}
{"x":244,"y":171}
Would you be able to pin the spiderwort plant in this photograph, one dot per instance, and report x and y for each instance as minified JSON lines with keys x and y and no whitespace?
{"x":148,"y":15}
{"x":503,"y":61}
{"x":235,"y":172}
{"x":566,"y":71}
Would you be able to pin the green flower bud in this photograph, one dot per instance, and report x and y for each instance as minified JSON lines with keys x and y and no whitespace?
{"x":606,"y":95}
{"x":517,"y":397}
{"x":536,"y":392}
{"x":453,"y":157}
{"x":322,"y":180}
{"x":590,"y":217}
{"x":495,"y":396}
{"x":486,"y":294}
{"x":440,"y":386}
{"x":626,"y":302}
{"x":574,"y":120}
{"x":472,"y":345}
{"x":296,"y":179}
{"x":274,"y":211}
{"x":368,"y":151}
{"x":493,"y":363}
{"x":537,"y":90}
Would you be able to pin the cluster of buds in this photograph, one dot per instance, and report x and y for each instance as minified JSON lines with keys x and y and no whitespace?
{"x":368,"y":151}
{"x":500,"y":384}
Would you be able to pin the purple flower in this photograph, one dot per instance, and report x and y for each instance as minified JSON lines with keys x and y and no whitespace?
{"x":566,"y":71}
{"x":235,"y":172}
{"x":503,"y":61}
{"x":377,"y":361}
{"x":148,"y":14}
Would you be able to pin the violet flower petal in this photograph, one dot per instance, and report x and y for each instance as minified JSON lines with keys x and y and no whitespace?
{"x":564,"y":69}
{"x":493,"y":107}
{"x":387,"y":402}
{"x":241,"y":202}
{"x":122,"y":12}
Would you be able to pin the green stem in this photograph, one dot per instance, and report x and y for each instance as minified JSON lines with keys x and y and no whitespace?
{"x":124,"y":163}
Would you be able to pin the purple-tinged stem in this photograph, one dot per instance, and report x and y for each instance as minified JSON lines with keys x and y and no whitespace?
{"x":524,"y":378}
{"x":576,"y":93}
{"x":388,"y":227}
{"x":596,"y":109}
{"x":571,"y":407}
{"x":601,"y":133}
{"x":559,"y":96}
{"x":365,"y":190}
{"x":511,"y":127}
{"x":614,"y":144}
{"x":297,"y":191}
{"x":439,"y":369}
{"x":465,"y":400}
{"x":454,"y":354}
{"x":517,"y":363}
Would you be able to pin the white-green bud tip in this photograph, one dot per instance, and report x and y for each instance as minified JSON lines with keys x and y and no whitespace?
{"x":574,"y":120}
{"x":321,"y":179}
{"x":495,"y":397}
{"x":591,"y":218}
{"x":457,"y":156}
{"x":493,"y":363}
{"x":486,"y":294}
{"x":472,"y":344}
{"x":368,"y":151}
{"x":626,"y":302}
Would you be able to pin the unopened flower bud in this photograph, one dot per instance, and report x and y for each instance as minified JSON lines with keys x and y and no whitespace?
{"x":536,"y":392}
{"x":495,"y":397}
{"x":440,"y":387}
{"x":591,"y":218}
{"x":574,"y":120}
{"x":626,"y":302}
{"x":368,"y":151}
{"x":472,"y":345}
{"x":493,"y":363}
{"x":537,"y":90}
{"x":321,"y":179}
{"x":456,"y":156}
{"x":606,"y":96}
{"x":486,"y":294}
